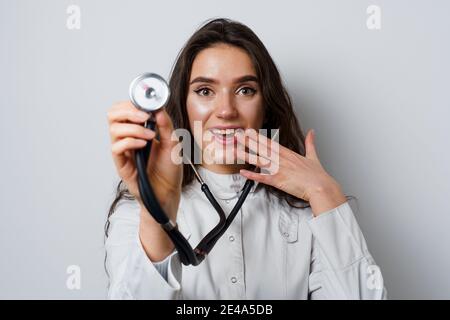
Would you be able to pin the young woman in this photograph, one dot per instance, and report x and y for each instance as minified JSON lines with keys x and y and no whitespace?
{"x":295,"y":236}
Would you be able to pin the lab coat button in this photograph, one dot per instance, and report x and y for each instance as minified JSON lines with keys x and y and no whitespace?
{"x":231,"y":238}
{"x":286,"y":234}
{"x":233,"y":279}
{"x":227,"y":201}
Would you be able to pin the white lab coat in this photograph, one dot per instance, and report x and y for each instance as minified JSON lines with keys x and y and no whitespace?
{"x":270,"y":251}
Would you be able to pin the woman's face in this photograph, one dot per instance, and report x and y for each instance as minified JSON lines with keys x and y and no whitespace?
{"x":224,"y":96}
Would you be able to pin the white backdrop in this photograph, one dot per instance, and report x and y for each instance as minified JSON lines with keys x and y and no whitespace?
{"x":378,"y":100}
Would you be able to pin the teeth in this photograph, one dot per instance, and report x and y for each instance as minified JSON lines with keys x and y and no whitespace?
{"x":228,"y":132}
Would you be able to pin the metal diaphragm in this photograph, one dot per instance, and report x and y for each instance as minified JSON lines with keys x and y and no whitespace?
{"x":149,"y":92}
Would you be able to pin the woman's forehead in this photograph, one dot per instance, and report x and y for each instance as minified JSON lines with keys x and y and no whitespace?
{"x":222,"y":63}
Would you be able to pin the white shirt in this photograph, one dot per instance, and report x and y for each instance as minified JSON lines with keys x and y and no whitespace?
{"x":270,"y":251}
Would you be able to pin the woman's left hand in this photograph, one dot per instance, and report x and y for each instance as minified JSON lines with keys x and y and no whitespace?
{"x":302,"y":177}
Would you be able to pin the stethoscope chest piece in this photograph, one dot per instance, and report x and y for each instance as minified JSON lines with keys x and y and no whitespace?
{"x":149,"y":92}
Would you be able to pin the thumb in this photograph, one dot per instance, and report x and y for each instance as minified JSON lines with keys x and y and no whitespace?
{"x":165,"y":126}
{"x":311,"y":152}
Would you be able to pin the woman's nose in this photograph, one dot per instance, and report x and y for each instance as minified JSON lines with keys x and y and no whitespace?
{"x":226,"y":108}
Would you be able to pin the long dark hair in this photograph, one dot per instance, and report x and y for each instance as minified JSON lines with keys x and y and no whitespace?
{"x":279,"y":112}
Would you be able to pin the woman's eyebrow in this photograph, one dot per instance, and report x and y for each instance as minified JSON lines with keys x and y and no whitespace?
{"x":245,"y":78}
{"x":203,"y":79}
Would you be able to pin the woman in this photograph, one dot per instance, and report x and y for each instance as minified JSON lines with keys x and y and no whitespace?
{"x":295,"y":236}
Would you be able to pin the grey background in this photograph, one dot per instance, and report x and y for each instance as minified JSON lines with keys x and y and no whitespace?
{"x":378,"y":101}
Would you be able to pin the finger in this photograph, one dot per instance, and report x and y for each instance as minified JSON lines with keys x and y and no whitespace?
{"x":122,"y":130}
{"x":125,"y":114}
{"x":260,"y":143}
{"x":253,"y":159}
{"x":118,"y":149}
{"x":165,"y":127}
{"x":123,"y":105}
{"x":259,"y":177}
{"x":310,"y":147}
{"x":259,"y":151}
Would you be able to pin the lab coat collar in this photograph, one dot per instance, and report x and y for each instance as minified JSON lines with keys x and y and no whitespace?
{"x":224,"y":186}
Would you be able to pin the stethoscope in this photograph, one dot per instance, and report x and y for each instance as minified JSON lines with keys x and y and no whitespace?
{"x":149,"y":92}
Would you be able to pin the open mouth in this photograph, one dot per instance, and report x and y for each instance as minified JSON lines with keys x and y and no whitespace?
{"x":226,"y":136}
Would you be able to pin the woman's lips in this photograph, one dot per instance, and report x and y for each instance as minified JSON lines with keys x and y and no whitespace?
{"x":225,"y":136}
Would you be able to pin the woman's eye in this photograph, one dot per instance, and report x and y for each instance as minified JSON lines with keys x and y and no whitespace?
{"x":203,"y":92}
{"x":246,"y":91}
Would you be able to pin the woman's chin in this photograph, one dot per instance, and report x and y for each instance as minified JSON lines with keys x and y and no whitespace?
{"x":224,"y":156}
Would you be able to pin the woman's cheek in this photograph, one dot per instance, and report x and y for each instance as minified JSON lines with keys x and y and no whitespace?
{"x":253,"y":113}
{"x":200,"y":109}
{"x":199,"y":112}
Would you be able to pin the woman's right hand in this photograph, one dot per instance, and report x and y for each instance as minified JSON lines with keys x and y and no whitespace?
{"x":128,"y":134}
